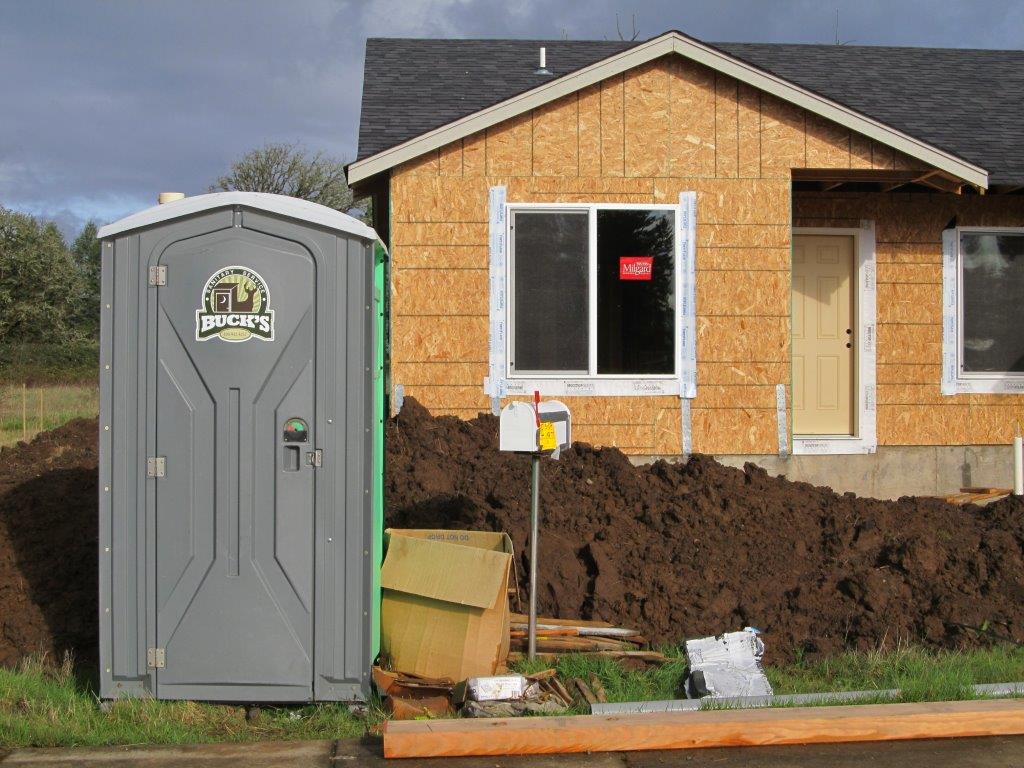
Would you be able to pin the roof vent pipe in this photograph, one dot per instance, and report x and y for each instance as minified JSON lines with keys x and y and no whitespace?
{"x":543,"y":69}
{"x":169,"y":197}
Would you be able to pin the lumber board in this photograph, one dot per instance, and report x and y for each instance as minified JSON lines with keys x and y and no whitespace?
{"x":522,"y":619}
{"x":696,"y":730}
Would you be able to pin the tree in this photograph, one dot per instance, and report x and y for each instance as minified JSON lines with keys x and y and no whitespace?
{"x":287,"y":169}
{"x":86,"y":254}
{"x":41,"y":287}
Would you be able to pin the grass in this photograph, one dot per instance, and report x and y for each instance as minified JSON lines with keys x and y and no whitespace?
{"x":45,"y":406}
{"x":48,"y":705}
{"x":43,"y":704}
{"x":920,"y":675}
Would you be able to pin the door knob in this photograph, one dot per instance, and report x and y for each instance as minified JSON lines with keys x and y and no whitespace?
{"x":848,"y":345}
{"x":849,"y":332}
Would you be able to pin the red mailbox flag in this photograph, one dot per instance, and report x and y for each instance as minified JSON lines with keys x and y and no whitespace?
{"x":636,"y":267}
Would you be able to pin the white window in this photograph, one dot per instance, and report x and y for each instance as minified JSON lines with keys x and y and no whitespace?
{"x":983,"y":339}
{"x":593,"y":299}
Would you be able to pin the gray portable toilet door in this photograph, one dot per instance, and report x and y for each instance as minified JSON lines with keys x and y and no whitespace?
{"x":235,"y":426}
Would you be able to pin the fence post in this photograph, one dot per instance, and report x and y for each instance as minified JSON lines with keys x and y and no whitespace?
{"x":41,"y":409}
{"x":24,"y":411}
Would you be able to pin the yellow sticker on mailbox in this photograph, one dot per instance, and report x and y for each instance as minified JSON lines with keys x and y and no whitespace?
{"x":546,"y":436}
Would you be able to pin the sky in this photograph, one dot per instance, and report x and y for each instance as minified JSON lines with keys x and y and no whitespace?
{"x":106,"y":103}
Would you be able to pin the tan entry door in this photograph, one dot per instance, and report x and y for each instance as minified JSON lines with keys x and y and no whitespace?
{"x":823,"y":335}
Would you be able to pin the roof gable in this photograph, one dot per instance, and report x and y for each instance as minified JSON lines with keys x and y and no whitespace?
{"x":381,"y":135}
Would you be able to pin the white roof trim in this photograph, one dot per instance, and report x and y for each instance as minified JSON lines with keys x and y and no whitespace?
{"x":290,"y":207}
{"x":670,"y":42}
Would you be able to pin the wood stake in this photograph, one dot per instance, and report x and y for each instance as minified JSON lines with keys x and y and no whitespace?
{"x":24,"y":411}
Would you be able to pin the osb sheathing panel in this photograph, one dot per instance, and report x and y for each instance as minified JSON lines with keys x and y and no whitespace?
{"x":711,"y":373}
{"x":405,"y":257}
{"x":728,"y":292}
{"x":746,"y":259}
{"x":440,"y":292}
{"x":642,"y":137}
{"x":721,"y":430}
{"x":916,"y":303}
{"x":718,"y":430}
{"x":742,"y":339}
{"x":992,"y":423}
{"x":922,"y":424}
{"x":647,"y":125}
{"x":443,"y":233}
{"x":438,"y":373}
{"x":474,"y":155}
{"x":612,"y":127}
{"x":555,"y":138}
{"x":910,"y":344}
{"x":454,"y":338}
{"x":726,"y":127}
{"x":748,"y":132}
{"x":589,"y":115}
{"x":828,"y":144}
{"x":449,"y":160}
{"x":907,"y":373}
{"x":912,"y":394}
{"x":510,"y":147}
{"x":692,"y":127}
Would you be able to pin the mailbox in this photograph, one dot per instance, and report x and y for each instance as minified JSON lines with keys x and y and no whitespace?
{"x":519,"y":431}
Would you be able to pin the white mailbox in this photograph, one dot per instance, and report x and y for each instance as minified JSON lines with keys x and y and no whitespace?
{"x":519,"y":432}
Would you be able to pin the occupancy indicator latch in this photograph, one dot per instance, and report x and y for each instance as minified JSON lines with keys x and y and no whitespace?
{"x":296,"y":431}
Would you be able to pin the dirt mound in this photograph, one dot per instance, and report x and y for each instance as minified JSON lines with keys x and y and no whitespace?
{"x":48,"y":530}
{"x":688,"y":550}
{"x":679,"y":550}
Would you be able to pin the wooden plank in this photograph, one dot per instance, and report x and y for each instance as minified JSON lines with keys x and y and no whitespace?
{"x":695,"y":730}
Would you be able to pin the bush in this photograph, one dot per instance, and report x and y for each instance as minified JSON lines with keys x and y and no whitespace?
{"x":33,"y":363}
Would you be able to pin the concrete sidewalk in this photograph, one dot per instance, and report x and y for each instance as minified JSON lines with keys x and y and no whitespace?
{"x":995,"y":752}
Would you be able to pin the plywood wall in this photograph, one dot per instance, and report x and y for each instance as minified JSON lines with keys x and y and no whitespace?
{"x":908,"y":233}
{"x":642,"y":137}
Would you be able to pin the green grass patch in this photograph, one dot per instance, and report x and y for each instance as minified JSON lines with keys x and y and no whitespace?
{"x":920,"y":674}
{"x":46,"y":705}
{"x":25,"y":410}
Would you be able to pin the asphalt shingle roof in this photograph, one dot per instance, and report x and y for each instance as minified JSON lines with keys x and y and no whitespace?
{"x":968,"y":102}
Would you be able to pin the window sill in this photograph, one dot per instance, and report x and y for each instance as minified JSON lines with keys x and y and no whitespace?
{"x":593,"y":387}
{"x":982,"y":386}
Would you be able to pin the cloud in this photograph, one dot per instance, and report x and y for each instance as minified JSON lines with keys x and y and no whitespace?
{"x":107,"y":104}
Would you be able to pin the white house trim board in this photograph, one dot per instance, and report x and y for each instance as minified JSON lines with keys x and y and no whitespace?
{"x":503,"y":382}
{"x":954,"y":380}
{"x":866,"y":439}
{"x":690,"y":48}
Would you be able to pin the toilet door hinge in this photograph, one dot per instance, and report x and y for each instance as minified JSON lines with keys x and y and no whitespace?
{"x":158,"y":275}
{"x":315,"y":458}
{"x":156,"y":466}
{"x":156,"y":658}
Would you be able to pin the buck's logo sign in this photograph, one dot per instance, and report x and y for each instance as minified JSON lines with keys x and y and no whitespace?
{"x":235,"y":307}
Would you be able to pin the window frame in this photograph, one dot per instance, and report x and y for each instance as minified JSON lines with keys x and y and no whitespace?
{"x":955,"y":379}
{"x":573,"y":382}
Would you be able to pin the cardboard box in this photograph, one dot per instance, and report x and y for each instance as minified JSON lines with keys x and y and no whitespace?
{"x":444,"y":610}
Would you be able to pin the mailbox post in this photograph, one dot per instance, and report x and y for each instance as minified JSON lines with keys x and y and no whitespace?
{"x":540,"y":428}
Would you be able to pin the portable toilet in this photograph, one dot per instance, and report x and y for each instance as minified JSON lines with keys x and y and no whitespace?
{"x":240,"y":451}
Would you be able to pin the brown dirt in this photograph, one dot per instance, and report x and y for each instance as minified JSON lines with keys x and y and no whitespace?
{"x":689,"y":550}
{"x":48,"y":558}
{"x":678,"y":550}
